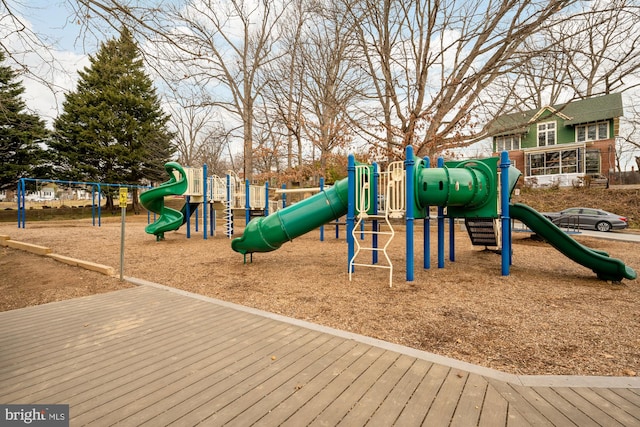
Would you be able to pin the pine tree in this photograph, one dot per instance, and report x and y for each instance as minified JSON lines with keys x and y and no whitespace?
{"x":20,"y":132}
{"x":112,"y":128}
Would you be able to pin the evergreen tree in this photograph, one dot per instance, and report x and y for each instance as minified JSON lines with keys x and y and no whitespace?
{"x":20,"y":132}
{"x":112,"y":128}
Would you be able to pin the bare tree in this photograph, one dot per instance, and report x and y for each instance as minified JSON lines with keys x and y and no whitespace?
{"x":283,"y":81}
{"x":432,"y":63}
{"x":200,"y":136}
{"x":218,"y":46}
{"x":332,"y":84}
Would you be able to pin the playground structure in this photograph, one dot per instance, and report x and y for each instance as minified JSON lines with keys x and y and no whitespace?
{"x":199,"y":189}
{"x":477,"y":191}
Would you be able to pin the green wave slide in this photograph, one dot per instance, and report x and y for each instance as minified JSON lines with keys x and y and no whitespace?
{"x":153,"y":200}
{"x":599,"y":262}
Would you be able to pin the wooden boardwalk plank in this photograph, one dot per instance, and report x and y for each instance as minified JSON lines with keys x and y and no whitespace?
{"x":494,"y":408}
{"x":616,"y":398}
{"x":346,"y":354}
{"x":349,"y":398}
{"x":149,"y":356}
{"x":471,"y":402}
{"x":519,"y":403}
{"x":312,"y":409}
{"x":447,"y":398}
{"x":389,"y":411}
{"x":224,"y":385}
{"x":383,"y":391}
{"x":279,"y":379}
{"x":420,"y":402}
{"x":602,"y":411}
{"x":195,"y":383}
{"x":87,"y":331}
{"x":75,"y":363}
{"x":566,"y":404}
{"x":193,"y":377}
{"x":279,"y":403}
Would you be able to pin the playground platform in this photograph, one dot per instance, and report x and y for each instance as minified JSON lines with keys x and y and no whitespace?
{"x":151,"y":355}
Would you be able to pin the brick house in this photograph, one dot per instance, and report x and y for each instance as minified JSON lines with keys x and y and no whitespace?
{"x":561,"y":144}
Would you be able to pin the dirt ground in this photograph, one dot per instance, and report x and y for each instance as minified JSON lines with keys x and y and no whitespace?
{"x":549,"y":316}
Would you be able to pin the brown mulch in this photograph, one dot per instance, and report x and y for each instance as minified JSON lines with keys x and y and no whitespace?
{"x":549,"y":316}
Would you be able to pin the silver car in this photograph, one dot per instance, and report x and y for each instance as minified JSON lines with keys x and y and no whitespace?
{"x":587,"y":218}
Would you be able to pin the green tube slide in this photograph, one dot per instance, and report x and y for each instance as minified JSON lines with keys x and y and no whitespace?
{"x":606,"y":268}
{"x":153,"y":200}
{"x":267,"y":234}
{"x":465,"y":185}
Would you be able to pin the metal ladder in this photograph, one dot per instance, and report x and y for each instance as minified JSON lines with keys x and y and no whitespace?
{"x":371,"y":249}
{"x":393,"y":184}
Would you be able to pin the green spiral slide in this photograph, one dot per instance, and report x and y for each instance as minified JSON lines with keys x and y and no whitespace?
{"x":153,"y":200}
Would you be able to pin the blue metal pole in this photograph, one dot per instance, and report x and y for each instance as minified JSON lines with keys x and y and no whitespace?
{"x":322,"y":226}
{"x":99,"y":205}
{"x":22,"y":214}
{"x":205,"y":201}
{"x":351,"y":204}
{"x":505,"y":163}
{"x":427,"y":228}
{"x":409,"y":163}
{"x":374,"y":223}
{"x":440,"y":226}
{"x":93,"y":205}
{"x":266,"y":198}
{"x":188,"y":214}
{"x":247,"y":202}
{"x":284,"y":197}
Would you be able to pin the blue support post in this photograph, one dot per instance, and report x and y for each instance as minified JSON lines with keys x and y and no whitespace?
{"x":505,"y":163}
{"x":322,"y":226}
{"x":427,"y":229}
{"x":374,"y":223}
{"x":247,"y":202}
{"x":440,"y":226}
{"x":205,"y":202}
{"x":188,"y":214}
{"x":284,"y":197}
{"x":266,"y":198}
{"x":409,"y":165}
{"x":22,"y":214}
{"x":93,"y":205}
{"x":351,"y":208}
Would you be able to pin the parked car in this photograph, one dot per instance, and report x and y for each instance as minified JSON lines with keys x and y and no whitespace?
{"x":587,"y":218}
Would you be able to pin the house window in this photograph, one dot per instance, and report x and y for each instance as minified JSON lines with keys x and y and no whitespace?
{"x":546,"y":134}
{"x":507,"y":143}
{"x":553,"y":162}
{"x":592,"y":161}
{"x":592,"y":132}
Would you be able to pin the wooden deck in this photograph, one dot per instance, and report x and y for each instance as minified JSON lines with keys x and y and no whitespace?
{"x":153,"y":356}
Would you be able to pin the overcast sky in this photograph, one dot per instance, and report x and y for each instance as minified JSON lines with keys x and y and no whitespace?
{"x":51,"y":20}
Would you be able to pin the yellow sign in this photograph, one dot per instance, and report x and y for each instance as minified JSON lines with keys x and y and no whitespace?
{"x":123,"y":197}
